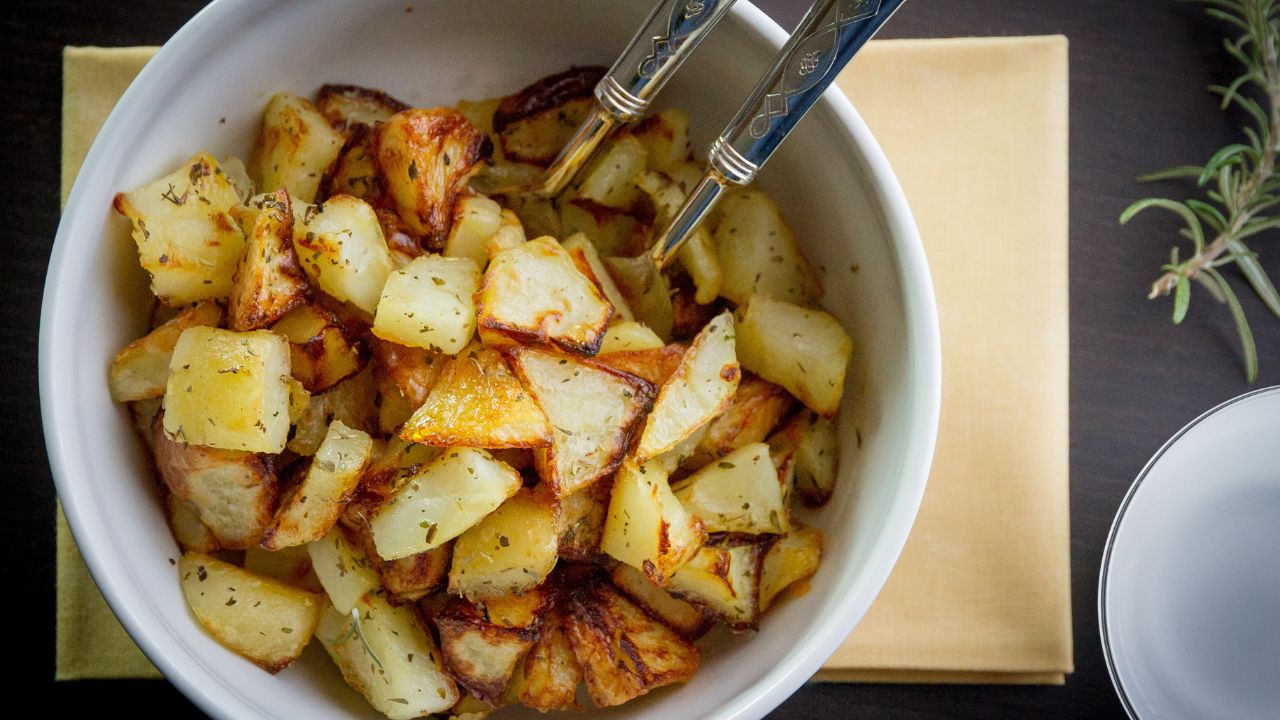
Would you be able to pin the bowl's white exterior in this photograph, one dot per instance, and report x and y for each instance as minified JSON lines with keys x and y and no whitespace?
{"x":206,"y":89}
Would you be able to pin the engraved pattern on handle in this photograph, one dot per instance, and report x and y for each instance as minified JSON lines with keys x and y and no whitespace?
{"x":829,"y":34}
{"x":667,"y":37}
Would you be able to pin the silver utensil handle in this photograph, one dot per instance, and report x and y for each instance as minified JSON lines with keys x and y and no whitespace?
{"x":828,"y":35}
{"x":822,"y":44}
{"x":668,"y":36}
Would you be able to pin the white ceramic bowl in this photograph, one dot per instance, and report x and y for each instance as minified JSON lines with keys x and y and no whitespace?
{"x":830,"y":178}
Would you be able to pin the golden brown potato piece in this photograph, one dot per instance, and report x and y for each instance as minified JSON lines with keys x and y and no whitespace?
{"x":294,"y":149}
{"x":141,"y":369}
{"x":684,"y":618}
{"x":647,"y":291}
{"x":312,"y":508}
{"x":184,"y":520}
{"x":291,"y":566}
{"x":234,"y":493}
{"x":534,"y":293}
{"x":725,"y":579}
{"x":580,"y":522}
{"x":356,"y":172}
{"x":414,"y":370}
{"x":593,"y":411}
{"x":426,"y":158}
{"x":535,"y":123}
{"x":262,"y":619}
{"x":758,"y":406}
{"x":268,"y":282}
{"x":509,"y":551}
{"x":701,"y":388}
{"x":802,"y":349}
{"x":656,"y":365}
{"x":342,"y":249}
{"x":479,"y":650}
{"x":738,"y":493}
{"x":647,"y":527}
{"x":430,"y":303}
{"x":408,"y":578}
{"x":346,"y":106}
{"x":187,"y":240}
{"x":759,"y":255}
{"x":549,"y":675}
{"x":623,"y":652}
{"x":477,"y":402}
{"x":321,"y":351}
{"x":386,"y":654}
{"x":791,"y":560}
{"x":811,"y":443}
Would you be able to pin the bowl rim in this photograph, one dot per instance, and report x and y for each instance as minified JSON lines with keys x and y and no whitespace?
{"x":201,"y":684}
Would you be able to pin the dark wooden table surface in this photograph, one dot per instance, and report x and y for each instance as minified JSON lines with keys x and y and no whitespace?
{"x":1138,"y":72}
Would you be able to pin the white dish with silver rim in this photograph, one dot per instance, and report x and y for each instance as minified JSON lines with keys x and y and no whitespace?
{"x":1189,"y":596}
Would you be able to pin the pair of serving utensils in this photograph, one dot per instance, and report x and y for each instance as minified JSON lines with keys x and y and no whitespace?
{"x":830,"y":33}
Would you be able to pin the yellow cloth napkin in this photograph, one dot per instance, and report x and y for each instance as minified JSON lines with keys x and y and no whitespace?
{"x":976,"y":130}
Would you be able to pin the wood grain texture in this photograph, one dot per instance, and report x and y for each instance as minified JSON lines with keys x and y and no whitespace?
{"x":1138,"y":72}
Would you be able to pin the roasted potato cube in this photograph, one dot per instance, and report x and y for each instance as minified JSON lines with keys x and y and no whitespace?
{"x":725,"y":580}
{"x":803,"y":350}
{"x":701,"y":388}
{"x":791,"y":559}
{"x":475,"y":219}
{"x":646,"y":526}
{"x":580,"y":522}
{"x":481,"y":653}
{"x":665,"y":135}
{"x":478,"y":403}
{"x":311,"y":510}
{"x":684,"y":618}
{"x":291,"y":566}
{"x":426,"y":157}
{"x":268,"y":282}
{"x":233,"y":493}
{"x":342,"y":249}
{"x":647,"y":291}
{"x":345,"y":571}
{"x":429,"y":304}
{"x":654,"y":365}
{"x":535,"y":123}
{"x":510,"y":234}
{"x":612,"y":231}
{"x":295,"y":148}
{"x":184,"y":520}
{"x":480,"y":113}
{"x":141,"y":370}
{"x":351,"y":401}
{"x":623,"y":652}
{"x":593,"y":412}
{"x":739,"y":493}
{"x":409,"y":578}
{"x":414,"y":370}
{"x":535,"y":293}
{"x":608,"y":178}
{"x":510,"y":551}
{"x":441,"y":501}
{"x":698,"y":254}
{"x":758,"y":253}
{"x":346,"y":106}
{"x":626,"y":336}
{"x":814,"y":447}
{"x":587,"y":259}
{"x":356,"y":173}
{"x":229,"y":390}
{"x":386,"y":654}
{"x":320,"y":351}
{"x":548,"y":676}
{"x":262,"y":619}
{"x":187,"y":241}
{"x":758,"y":406}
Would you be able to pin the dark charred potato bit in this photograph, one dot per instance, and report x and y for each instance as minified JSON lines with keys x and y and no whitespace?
{"x":536,"y":122}
{"x":427,"y":157}
{"x":347,"y":106}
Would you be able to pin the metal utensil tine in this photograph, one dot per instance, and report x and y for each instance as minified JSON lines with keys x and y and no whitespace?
{"x":828,"y":35}
{"x":663,"y":43}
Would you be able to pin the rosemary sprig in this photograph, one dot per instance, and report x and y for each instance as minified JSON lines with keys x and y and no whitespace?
{"x":1240,"y":181}
{"x":356,"y":629}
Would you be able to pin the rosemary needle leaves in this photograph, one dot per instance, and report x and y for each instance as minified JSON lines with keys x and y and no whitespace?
{"x":1240,"y":184}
